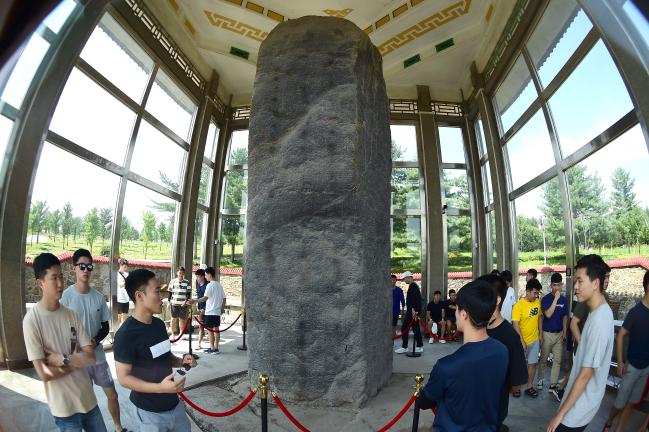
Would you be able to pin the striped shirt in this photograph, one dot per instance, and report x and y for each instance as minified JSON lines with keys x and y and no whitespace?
{"x":180,"y":290}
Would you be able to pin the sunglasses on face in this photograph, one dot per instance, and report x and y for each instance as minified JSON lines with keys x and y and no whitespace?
{"x":84,"y":266}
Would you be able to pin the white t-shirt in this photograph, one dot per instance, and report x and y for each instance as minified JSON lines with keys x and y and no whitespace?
{"x":92,"y":309}
{"x":215,"y":295}
{"x":122,"y":295}
{"x":508,"y":304}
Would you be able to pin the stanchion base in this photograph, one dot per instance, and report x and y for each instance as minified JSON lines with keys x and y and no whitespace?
{"x":413,"y":354}
{"x":242,"y":348}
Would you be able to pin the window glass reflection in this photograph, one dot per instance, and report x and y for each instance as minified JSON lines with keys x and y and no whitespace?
{"x":158,"y":158}
{"x":80,"y":116}
{"x":65,"y":214}
{"x":405,"y":188}
{"x":563,"y":27}
{"x":456,"y":188}
{"x":452,"y":145}
{"x":23,"y":73}
{"x":404,"y":143}
{"x":406,"y":243}
{"x":238,"y":154}
{"x":579,"y":112}
{"x":514,"y":95}
{"x":530,"y":151}
{"x":171,"y":106}
{"x":115,"y":55}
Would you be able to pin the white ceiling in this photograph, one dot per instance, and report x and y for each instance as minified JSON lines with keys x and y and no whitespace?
{"x":207,"y":29}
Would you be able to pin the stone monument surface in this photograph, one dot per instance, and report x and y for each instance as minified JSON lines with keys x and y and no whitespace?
{"x":317,"y":258}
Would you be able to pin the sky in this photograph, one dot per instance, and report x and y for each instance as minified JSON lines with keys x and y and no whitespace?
{"x":589,"y":102}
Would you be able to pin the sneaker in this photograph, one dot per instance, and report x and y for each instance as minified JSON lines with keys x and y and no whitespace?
{"x":209,"y":351}
{"x":431,"y":340}
{"x":539,"y":384}
{"x":216,"y":351}
{"x":553,"y":387}
{"x":401,"y":350}
{"x":558,"y":393}
{"x":419,"y":349}
{"x":442,"y":341}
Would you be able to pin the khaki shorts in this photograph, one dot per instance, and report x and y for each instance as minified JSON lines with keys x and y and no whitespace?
{"x":633,"y":382}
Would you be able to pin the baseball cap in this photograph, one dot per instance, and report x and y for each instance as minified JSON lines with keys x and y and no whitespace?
{"x":406,"y":274}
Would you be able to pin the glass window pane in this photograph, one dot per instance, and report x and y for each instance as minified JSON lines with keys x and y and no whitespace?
{"x":171,"y":105}
{"x":486,"y":178}
{"x":89,"y":116}
{"x":578,"y":106}
{"x":530,"y":151}
{"x":147,"y":225}
{"x":450,"y":139}
{"x":65,"y":215}
{"x":404,"y":143}
{"x":23,"y":73}
{"x":456,"y":189}
{"x":236,"y":190}
{"x":458,"y":231}
{"x":479,"y":132}
{"x":405,"y":188}
{"x":118,"y":57}
{"x":59,"y":15}
{"x":539,"y":224}
{"x":515,"y":94}
{"x":563,"y":27}
{"x":238,"y":148}
{"x":233,"y":231}
{"x":492,"y":239}
{"x":211,"y":142}
{"x":6,"y":127}
{"x":199,"y":234}
{"x":610,"y":200}
{"x":158,"y":158}
{"x":406,"y":243}
{"x":204,"y":185}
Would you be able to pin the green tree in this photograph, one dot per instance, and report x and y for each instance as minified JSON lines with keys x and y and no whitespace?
{"x":37,"y":219}
{"x":162,"y":233}
{"x":54,"y":223}
{"x":77,"y":227}
{"x":530,"y":236}
{"x":456,"y":190}
{"x":622,"y":196}
{"x":67,"y":222}
{"x":106,"y":220}
{"x":148,"y":230}
{"x":92,"y":227}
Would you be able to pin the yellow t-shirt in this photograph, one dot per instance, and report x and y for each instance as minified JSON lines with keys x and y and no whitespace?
{"x":53,"y":331}
{"x":527,"y":314}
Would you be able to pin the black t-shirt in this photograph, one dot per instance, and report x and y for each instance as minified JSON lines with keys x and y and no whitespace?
{"x":413,"y":298}
{"x":450,"y":313}
{"x":147,"y":349}
{"x":435,"y":310}
{"x":517,"y":369}
{"x":637,"y":324}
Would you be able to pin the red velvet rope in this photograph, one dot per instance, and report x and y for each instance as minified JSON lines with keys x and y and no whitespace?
{"x":288,"y":415}
{"x":434,"y":336}
{"x":405,"y":331}
{"x":239,"y":407}
{"x":215,"y":330}
{"x":399,"y":415}
{"x":183,"y":331}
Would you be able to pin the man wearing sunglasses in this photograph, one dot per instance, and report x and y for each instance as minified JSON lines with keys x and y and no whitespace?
{"x":91,"y":307}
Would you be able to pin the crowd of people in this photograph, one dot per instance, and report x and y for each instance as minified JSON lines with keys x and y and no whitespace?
{"x":507,"y":342}
{"x":65,"y":329}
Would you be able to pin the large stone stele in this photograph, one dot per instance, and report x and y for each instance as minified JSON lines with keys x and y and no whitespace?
{"x":318,"y":226}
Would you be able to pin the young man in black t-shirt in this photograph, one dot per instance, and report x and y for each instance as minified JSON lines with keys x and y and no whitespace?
{"x":413,"y":305}
{"x":435,"y":315}
{"x":449,"y":310}
{"x":143,"y":359}
{"x":500,"y":329}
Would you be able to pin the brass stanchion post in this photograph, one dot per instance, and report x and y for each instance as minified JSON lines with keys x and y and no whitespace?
{"x":263,"y":386}
{"x":419,"y":379}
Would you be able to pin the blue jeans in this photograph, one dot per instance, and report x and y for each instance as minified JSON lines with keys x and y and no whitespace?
{"x":92,"y":421}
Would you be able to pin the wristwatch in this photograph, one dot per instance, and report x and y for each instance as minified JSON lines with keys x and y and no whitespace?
{"x":66,"y":360}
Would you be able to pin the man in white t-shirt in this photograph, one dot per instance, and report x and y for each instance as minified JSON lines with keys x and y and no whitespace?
{"x":122,"y":295}
{"x":214,"y":307}
{"x":510,"y":298}
{"x":91,"y":307}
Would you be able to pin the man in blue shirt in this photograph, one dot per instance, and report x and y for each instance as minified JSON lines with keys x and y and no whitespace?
{"x":555,"y":327}
{"x":398,"y":303}
{"x":201,"y":284}
{"x":466,"y":386}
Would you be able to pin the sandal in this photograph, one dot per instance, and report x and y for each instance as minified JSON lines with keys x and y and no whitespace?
{"x":516,"y":394}
{"x":531,"y":392}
